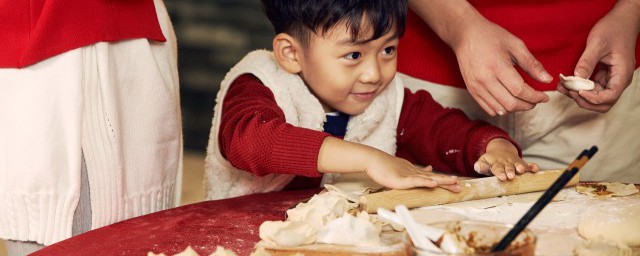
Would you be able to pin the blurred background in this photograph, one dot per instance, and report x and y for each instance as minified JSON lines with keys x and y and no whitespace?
{"x":212,"y":35}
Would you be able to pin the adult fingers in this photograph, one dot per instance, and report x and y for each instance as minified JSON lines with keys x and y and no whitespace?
{"x":589,"y":59}
{"x":563,"y":89}
{"x":480,"y":98}
{"x":516,"y":86}
{"x":523,"y":57}
{"x":618,"y":81}
{"x":587,"y":105}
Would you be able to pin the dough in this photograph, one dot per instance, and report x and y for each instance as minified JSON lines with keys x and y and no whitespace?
{"x":320,"y":209}
{"x":591,"y":248}
{"x":606,"y":189}
{"x":287,"y":233}
{"x":618,"y":225}
{"x":577,"y":83}
{"x":350,"y":230}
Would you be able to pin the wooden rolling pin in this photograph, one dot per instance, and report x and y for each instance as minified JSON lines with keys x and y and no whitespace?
{"x":471,"y":189}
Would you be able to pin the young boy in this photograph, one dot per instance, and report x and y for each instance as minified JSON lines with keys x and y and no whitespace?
{"x":327,"y":100}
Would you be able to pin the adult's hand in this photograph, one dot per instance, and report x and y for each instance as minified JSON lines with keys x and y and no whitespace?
{"x":610,"y":55}
{"x":487,"y":55}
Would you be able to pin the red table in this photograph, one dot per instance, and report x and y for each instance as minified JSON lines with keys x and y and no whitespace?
{"x":232,"y":223}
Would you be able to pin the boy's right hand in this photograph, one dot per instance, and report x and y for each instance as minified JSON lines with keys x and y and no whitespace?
{"x":397,"y":173}
{"x":339,"y":156}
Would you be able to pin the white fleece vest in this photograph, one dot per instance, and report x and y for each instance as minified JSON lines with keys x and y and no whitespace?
{"x":375,"y":127}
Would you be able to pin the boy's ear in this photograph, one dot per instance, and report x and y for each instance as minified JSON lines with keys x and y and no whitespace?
{"x":287,"y":50}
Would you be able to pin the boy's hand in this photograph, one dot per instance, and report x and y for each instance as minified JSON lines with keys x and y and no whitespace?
{"x":501,"y":159}
{"x":398,"y":173}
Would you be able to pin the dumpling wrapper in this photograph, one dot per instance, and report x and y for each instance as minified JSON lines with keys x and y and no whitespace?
{"x":606,"y":189}
{"x":576,"y":83}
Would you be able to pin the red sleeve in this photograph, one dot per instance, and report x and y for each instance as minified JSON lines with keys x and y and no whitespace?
{"x":429,"y":134}
{"x":255,"y":137}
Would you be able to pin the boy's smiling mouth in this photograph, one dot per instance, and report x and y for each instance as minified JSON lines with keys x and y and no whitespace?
{"x":364,"y":96}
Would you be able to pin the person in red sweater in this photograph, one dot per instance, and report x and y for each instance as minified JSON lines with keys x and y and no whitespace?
{"x":327,"y":101}
{"x":496,"y":60}
{"x":90,"y":126}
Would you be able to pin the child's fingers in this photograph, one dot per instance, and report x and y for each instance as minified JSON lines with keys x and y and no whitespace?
{"x":419,"y":181}
{"x":453,"y":188}
{"x":482,"y":167}
{"x":443,"y":179}
{"x":510,"y":171}
{"x":533,"y":167}
{"x":427,"y":168}
{"x":498,"y":171}
{"x":520,"y":167}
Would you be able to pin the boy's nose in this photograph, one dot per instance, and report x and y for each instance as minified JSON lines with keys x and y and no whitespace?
{"x":371,"y":73}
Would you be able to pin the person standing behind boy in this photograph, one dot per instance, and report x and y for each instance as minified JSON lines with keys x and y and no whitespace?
{"x":328,"y":100}
{"x":90,"y":127}
{"x":496,"y":61}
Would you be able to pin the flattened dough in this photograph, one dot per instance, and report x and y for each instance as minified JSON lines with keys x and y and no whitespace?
{"x":606,"y":189}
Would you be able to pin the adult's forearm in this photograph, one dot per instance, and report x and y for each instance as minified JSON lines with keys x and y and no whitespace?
{"x":448,"y":18}
{"x":629,"y":9}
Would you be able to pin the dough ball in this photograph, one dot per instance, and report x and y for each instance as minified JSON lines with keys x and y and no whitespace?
{"x":591,"y":248}
{"x":577,"y":83}
{"x":619,"y":225}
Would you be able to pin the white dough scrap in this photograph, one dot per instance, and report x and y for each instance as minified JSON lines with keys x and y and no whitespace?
{"x":287,"y":233}
{"x":350,"y":230}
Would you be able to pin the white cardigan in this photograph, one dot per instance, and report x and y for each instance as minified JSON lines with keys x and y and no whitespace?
{"x":375,"y":127}
{"x":123,"y":114}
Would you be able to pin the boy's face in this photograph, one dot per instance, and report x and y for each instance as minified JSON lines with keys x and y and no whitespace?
{"x":347,"y":76}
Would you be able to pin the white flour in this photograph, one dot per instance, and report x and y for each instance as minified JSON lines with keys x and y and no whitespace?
{"x":555,"y":226}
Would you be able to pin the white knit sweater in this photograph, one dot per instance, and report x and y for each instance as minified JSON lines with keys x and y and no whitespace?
{"x":375,"y":127}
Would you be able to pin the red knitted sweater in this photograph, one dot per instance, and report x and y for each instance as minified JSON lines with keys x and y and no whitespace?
{"x":555,"y":31}
{"x":255,"y":137}
{"x":34,"y":30}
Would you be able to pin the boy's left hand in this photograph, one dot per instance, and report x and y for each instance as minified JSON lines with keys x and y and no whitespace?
{"x":502,"y":160}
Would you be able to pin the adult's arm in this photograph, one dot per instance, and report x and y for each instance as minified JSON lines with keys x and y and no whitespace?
{"x":486,"y":54}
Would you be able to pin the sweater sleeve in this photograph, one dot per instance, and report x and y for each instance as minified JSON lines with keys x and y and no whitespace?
{"x":429,"y":134}
{"x":255,"y":137}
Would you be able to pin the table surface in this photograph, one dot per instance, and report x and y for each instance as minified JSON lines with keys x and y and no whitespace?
{"x":232,"y":223}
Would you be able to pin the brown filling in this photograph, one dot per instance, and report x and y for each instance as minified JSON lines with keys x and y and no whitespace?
{"x":599,"y":189}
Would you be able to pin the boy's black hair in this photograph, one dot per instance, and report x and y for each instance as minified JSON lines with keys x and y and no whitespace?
{"x":299,"y":18}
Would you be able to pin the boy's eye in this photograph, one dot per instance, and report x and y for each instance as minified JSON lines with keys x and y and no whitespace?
{"x":354,"y":55}
{"x":389,"y":50}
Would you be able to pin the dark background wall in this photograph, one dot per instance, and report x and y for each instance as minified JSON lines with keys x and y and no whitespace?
{"x":212,"y":36}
